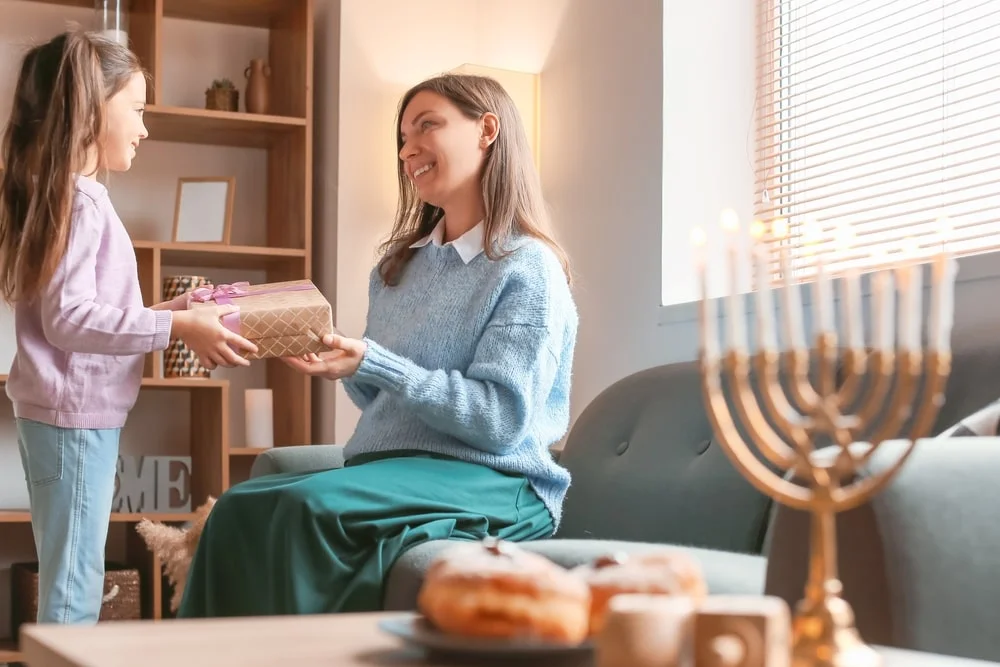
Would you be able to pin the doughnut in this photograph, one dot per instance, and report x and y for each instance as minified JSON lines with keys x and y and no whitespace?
{"x":494,"y":589}
{"x":660,"y":572}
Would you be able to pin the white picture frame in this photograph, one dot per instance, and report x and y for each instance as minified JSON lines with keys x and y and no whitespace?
{"x":204,"y":209}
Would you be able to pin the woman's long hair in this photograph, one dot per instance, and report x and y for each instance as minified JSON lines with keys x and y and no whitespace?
{"x":58,"y":118}
{"x":512,"y":193}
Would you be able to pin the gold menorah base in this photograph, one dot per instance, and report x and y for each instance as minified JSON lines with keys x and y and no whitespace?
{"x":823,"y":635}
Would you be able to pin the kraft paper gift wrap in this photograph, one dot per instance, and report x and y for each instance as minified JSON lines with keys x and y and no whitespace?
{"x":282,"y":319}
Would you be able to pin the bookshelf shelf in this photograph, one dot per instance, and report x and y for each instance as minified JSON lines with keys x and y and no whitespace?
{"x":252,"y":13}
{"x":222,"y":256}
{"x":218,"y":128}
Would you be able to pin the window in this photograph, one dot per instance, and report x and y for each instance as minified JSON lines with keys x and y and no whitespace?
{"x":880,"y":118}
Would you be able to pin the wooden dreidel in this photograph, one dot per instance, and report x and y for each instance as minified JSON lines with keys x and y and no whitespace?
{"x":742,"y":631}
{"x":643,"y":630}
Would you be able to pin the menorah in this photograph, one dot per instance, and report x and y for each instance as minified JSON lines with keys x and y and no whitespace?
{"x":831,"y":401}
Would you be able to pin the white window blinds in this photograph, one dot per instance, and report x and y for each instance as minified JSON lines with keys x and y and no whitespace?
{"x":880,"y":118}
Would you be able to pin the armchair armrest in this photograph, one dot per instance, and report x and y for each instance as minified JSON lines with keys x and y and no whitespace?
{"x":300,"y":458}
{"x":918,"y":562}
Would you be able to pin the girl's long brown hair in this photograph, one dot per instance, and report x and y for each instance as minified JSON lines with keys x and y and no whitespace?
{"x":58,"y":116}
{"x":512,"y":193}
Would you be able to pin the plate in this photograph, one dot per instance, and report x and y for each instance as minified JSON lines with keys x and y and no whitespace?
{"x":415,"y":629}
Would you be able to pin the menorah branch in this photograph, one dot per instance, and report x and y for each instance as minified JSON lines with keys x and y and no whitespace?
{"x":740,"y":455}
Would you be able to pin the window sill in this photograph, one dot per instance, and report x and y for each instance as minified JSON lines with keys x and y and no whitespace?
{"x":973,"y":268}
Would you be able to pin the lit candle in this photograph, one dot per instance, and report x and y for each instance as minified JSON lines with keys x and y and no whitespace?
{"x":735,"y":313}
{"x":942,"y":293}
{"x":851,"y":298}
{"x":791,"y":303}
{"x":911,"y":296}
{"x":765,"y":305}
{"x":883,"y":306}
{"x":822,"y":295}
{"x":709,"y":336}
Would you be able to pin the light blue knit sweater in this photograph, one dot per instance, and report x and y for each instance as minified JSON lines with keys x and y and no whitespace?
{"x":472,"y":361}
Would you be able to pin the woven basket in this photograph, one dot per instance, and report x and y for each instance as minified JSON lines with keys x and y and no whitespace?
{"x":122,"y":600}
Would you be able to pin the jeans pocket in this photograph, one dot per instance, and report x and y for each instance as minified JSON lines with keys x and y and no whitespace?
{"x":45,"y":449}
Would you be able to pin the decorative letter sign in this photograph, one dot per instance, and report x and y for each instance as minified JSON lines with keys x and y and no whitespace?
{"x":153,"y":484}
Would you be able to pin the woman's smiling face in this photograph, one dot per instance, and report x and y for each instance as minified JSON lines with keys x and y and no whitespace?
{"x":442,"y":149}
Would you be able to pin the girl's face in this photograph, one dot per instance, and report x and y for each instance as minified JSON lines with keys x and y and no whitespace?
{"x":443,"y":150}
{"x":125,"y":128}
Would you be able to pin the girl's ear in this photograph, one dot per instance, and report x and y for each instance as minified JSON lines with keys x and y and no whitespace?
{"x":489,"y":129}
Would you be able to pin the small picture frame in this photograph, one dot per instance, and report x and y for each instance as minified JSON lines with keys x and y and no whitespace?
{"x":204,"y":209}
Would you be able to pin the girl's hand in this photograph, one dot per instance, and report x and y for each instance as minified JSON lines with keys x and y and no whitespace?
{"x":202,"y":330}
{"x":180,"y":302}
{"x":341,"y":361}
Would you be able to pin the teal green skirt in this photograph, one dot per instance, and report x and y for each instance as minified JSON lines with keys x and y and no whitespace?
{"x":324,"y":542}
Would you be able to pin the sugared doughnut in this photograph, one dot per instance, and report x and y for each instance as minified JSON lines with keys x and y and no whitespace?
{"x":660,"y":572}
{"x":496,"y":589}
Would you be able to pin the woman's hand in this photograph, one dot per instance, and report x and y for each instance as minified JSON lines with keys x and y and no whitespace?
{"x":202,"y":330}
{"x":341,"y":361}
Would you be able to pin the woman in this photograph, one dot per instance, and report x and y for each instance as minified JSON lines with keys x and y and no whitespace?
{"x":462,"y":376}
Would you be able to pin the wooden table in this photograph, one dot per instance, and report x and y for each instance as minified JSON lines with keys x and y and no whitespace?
{"x":335,"y":640}
{"x":341,"y":640}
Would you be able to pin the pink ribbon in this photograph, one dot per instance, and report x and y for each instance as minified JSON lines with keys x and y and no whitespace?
{"x":223,"y":295}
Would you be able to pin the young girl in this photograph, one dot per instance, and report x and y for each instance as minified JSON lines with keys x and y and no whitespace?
{"x":463,"y":378}
{"x":68,"y":268}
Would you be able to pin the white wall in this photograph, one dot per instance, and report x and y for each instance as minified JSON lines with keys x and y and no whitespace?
{"x":602,"y":146}
{"x":378,"y":60}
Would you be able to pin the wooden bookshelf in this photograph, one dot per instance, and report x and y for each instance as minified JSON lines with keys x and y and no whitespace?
{"x":285,"y":134}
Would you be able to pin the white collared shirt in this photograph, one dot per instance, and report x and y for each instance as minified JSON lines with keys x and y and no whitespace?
{"x":468,"y":245}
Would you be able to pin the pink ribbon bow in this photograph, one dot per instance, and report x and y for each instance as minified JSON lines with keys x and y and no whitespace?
{"x":223,"y":295}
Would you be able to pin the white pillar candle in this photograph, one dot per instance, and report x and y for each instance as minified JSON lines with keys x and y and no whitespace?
{"x":851,"y":300}
{"x":765,"y":305}
{"x":735,"y":310}
{"x":259,"y":418}
{"x":823,"y":306}
{"x":791,"y":303}
{"x":707,"y":314}
{"x":942,"y":309}
{"x":883,"y":306}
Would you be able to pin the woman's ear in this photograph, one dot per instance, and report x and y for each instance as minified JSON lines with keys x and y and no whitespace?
{"x":489,"y":129}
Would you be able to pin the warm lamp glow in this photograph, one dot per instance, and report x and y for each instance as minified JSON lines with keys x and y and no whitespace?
{"x":524,"y":88}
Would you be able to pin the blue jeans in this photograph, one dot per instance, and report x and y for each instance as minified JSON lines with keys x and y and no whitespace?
{"x":71,"y":484}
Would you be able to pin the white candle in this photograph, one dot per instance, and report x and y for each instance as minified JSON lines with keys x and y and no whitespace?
{"x":942,"y":293}
{"x":942,"y":310}
{"x":735,"y":310}
{"x":259,"y":418}
{"x":823,"y":308}
{"x":765,"y":305}
{"x":850,"y":299}
{"x":707,"y":314}
{"x":791,"y":303}
{"x":883,"y":311}
{"x":915,"y":321}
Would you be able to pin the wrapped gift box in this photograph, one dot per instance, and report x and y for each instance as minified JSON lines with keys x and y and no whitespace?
{"x":282,"y":319}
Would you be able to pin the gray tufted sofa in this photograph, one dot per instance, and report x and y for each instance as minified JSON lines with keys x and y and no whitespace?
{"x":921,"y":564}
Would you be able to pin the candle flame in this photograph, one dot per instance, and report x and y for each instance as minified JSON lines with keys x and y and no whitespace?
{"x":845,"y":237}
{"x":730,"y":220}
{"x":945,"y":230}
{"x":698,"y":237}
{"x":779,"y":228}
{"x":756,"y":230}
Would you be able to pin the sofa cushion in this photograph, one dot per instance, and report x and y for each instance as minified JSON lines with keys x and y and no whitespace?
{"x":725,"y":572}
{"x":645,"y":467}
